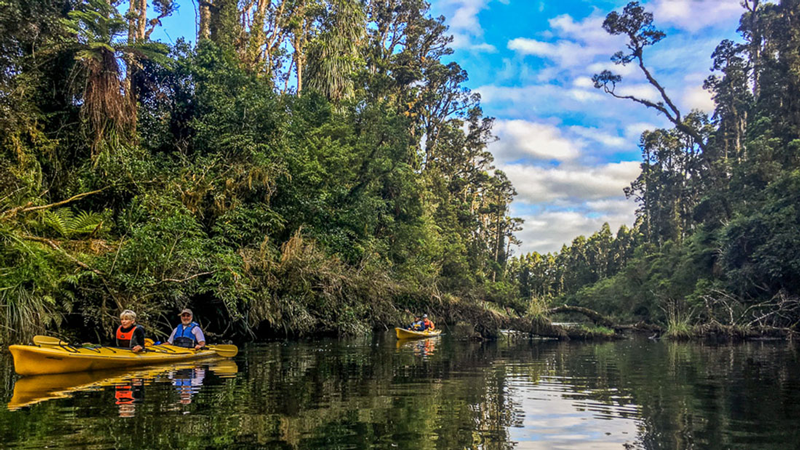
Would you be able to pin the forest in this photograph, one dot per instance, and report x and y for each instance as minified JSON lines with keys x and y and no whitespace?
{"x":319,"y":166}
{"x":715,"y":248}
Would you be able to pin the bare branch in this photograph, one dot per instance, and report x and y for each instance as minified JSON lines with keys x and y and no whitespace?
{"x":23,"y":209}
{"x":174,"y":280}
{"x":56,"y":247}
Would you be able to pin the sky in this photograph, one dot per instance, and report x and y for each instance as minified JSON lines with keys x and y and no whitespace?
{"x":568,"y":148}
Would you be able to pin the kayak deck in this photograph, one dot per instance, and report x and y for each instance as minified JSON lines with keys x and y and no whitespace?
{"x":48,"y":359}
{"x":402,"y":333}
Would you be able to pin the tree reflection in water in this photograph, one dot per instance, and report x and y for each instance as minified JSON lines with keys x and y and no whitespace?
{"x":441,"y":394}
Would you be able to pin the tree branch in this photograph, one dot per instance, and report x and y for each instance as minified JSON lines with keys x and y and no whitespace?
{"x":173,"y":280}
{"x":56,"y":247}
{"x":23,"y":209}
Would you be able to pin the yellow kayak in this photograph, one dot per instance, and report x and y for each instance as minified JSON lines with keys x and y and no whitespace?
{"x":402,"y":333}
{"x":47,"y":359}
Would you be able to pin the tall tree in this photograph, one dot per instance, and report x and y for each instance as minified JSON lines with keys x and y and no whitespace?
{"x":637,"y":25}
{"x":107,"y":102}
{"x":334,"y":54}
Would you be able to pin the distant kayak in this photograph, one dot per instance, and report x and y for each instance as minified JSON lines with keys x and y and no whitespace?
{"x":48,"y":359}
{"x":402,"y":333}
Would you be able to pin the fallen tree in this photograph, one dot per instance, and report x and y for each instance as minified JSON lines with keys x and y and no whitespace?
{"x":594,"y":316}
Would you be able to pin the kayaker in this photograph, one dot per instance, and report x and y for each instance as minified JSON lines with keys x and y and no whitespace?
{"x":426,"y":323}
{"x":129,"y":335}
{"x":416,"y":325}
{"x":188,"y":334}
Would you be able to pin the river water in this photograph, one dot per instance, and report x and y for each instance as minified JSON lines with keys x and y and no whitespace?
{"x":438,"y":393}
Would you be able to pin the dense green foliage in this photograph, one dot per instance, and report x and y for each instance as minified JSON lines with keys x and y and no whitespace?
{"x":315,"y":166}
{"x":717,"y":237}
{"x":276,"y":188}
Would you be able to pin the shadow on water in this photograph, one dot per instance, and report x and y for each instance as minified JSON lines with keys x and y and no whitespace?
{"x":428,"y":394}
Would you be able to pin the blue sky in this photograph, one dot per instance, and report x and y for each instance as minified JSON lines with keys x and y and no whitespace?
{"x":568,"y":148}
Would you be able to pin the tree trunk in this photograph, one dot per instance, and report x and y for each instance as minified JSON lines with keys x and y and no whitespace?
{"x":132,"y":14}
{"x":204,"y":31}
{"x":142,"y":20}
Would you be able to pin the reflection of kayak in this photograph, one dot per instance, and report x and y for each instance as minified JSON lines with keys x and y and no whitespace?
{"x":402,"y":333}
{"x":39,"y":388}
{"x":49,"y":359}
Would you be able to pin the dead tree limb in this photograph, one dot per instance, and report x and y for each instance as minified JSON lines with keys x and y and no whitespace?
{"x":595,"y":316}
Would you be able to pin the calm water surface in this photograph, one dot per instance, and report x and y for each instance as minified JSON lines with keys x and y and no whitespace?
{"x":433,"y":394}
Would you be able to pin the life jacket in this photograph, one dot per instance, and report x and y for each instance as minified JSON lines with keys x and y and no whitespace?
{"x":124,"y":338}
{"x":184,"y":336}
{"x":428,"y":324}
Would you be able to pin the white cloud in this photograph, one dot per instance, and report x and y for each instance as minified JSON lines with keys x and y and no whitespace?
{"x":695,"y":15}
{"x":634,"y":131}
{"x":584,"y":96}
{"x":519,"y":139}
{"x":681,"y":54}
{"x":490,"y":93}
{"x":465,"y":16}
{"x":484,"y":47}
{"x":644,"y":91}
{"x":532,"y":47}
{"x":583,"y":82}
{"x":548,"y":231}
{"x":600,"y":136}
{"x":575,"y":184}
{"x":462,"y":18}
{"x":587,"y":31}
{"x":609,"y":65}
{"x":614,"y":207}
{"x":564,"y":53}
{"x":698,"y":98}
{"x":543,"y":100}
{"x":574,"y":43}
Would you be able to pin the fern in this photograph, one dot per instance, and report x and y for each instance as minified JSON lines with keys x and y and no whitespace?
{"x":86,"y":222}
{"x":58,"y":220}
{"x":66,"y":224}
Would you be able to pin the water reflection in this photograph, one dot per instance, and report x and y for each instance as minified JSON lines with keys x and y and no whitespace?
{"x":420,"y":347}
{"x":128,"y":385}
{"x":188,"y":382}
{"x":431,"y":394}
{"x":127,"y":395}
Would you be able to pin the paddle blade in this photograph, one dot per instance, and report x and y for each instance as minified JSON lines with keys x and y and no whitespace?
{"x":48,"y":340}
{"x":148,"y":342}
{"x":225,"y":350}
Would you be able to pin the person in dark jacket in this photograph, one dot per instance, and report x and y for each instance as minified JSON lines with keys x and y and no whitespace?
{"x":188,"y":334}
{"x":129,"y":335}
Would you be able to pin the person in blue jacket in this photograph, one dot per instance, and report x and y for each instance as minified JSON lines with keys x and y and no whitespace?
{"x":188,"y":334}
{"x":416,"y":325}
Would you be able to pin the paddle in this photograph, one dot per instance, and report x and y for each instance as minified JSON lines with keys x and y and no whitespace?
{"x":224,"y":350}
{"x":48,"y":340}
